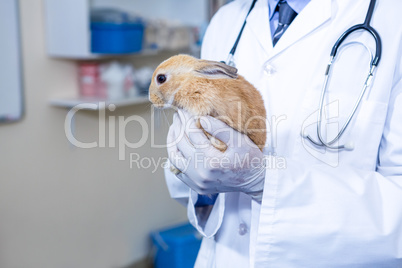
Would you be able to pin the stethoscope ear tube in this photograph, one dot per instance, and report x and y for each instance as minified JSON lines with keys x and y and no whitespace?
{"x":230,"y":60}
{"x":233,"y":50}
{"x":366,"y":27}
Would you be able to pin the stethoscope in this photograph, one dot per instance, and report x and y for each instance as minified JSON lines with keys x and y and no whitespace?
{"x":365,"y":26}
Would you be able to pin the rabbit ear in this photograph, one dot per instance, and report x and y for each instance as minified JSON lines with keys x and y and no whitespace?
{"x":216,"y":69}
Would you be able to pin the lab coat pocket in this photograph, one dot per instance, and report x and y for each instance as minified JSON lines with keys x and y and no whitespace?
{"x":372,"y":111}
{"x":366,"y":134}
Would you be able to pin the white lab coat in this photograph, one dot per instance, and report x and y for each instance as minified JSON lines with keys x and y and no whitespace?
{"x":320,"y":208}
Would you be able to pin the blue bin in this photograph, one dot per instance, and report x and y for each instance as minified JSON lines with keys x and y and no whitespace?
{"x":115,"y":38}
{"x":176,"y":247}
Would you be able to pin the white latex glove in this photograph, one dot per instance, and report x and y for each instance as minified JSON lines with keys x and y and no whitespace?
{"x":205,"y":169}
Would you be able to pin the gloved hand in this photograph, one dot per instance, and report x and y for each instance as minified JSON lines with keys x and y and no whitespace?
{"x":205,"y":169}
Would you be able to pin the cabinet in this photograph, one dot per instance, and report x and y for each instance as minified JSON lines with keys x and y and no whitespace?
{"x":67,"y":22}
{"x":67,"y":28}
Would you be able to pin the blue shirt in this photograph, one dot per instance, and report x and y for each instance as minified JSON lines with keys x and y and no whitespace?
{"x":296,"y":5}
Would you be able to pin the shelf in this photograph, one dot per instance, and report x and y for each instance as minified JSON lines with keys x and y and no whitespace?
{"x":147,"y":52}
{"x":96,"y":104}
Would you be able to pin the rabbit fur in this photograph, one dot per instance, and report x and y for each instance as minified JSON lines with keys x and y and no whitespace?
{"x":203,"y":87}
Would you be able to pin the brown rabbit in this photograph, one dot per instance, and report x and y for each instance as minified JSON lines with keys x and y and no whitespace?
{"x":212,"y":88}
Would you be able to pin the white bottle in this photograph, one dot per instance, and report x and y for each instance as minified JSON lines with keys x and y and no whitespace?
{"x":130,"y":88}
{"x":114,"y":76}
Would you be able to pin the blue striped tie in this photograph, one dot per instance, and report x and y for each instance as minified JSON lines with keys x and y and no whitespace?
{"x":286,"y":16}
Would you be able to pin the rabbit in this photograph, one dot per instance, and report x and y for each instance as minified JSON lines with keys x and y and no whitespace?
{"x":203,"y":87}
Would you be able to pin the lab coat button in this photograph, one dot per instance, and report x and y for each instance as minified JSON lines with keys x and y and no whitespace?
{"x":243,"y":229}
{"x":270,"y":70}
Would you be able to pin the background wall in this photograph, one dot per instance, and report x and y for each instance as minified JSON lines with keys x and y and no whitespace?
{"x":62,"y":206}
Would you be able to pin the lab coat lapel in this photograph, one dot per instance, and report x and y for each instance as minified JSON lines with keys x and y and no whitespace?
{"x":310,"y":18}
{"x":258,"y":23}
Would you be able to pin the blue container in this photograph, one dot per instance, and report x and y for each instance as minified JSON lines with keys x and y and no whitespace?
{"x":176,"y":247}
{"x":115,"y":38}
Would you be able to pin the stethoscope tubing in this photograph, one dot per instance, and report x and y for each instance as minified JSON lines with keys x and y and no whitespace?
{"x":233,"y":50}
{"x":229,"y":61}
{"x":357,"y":27}
{"x":374,"y":62}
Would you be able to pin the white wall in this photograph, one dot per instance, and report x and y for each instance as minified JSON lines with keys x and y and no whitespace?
{"x":68,"y":207}
{"x":192,"y":12}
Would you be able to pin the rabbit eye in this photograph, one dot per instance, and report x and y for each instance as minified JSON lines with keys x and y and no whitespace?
{"x":161,"y":78}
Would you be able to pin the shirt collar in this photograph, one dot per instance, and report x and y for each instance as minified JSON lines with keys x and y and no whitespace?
{"x":296,"y":5}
